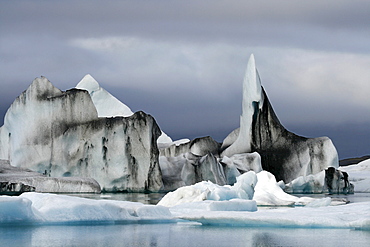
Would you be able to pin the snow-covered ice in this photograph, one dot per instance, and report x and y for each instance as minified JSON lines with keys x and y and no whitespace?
{"x":204,"y":202}
{"x":359,"y":175}
{"x":35,"y":207}
{"x":269,"y":193}
{"x":354,"y":216}
{"x":261,"y":187}
{"x":242,"y":189}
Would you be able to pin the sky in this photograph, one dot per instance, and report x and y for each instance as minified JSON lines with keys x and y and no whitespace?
{"x":183,"y":62}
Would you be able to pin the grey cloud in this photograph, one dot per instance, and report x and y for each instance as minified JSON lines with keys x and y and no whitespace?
{"x":243,"y":22}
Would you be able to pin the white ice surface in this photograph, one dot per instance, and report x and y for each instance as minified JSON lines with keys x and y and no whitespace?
{"x":242,"y":189}
{"x":359,"y":175}
{"x":353,"y":216}
{"x":50,"y":208}
{"x":37,"y":208}
{"x":252,"y":94}
{"x":261,"y":187}
{"x":107,"y":105}
{"x":268,"y":193}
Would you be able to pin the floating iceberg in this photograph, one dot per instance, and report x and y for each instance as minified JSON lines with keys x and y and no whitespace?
{"x":283,"y":153}
{"x":87,"y":132}
{"x":331,"y":180}
{"x":242,"y":189}
{"x":359,"y":175}
{"x":65,"y":137}
{"x":352,"y":216}
{"x":261,"y":188}
{"x":15,"y":180}
{"x":36,"y":208}
{"x":45,"y":208}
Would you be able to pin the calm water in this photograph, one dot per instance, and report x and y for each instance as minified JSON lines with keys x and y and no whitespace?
{"x":181,"y":234}
{"x":178,"y":235}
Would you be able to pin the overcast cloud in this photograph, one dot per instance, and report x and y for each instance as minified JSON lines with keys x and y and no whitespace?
{"x":184,"y":61}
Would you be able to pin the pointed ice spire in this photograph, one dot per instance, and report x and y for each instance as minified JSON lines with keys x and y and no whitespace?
{"x":252,"y":90}
{"x":106,"y":104}
{"x":252,"y":102}
{"x":88,"y":83}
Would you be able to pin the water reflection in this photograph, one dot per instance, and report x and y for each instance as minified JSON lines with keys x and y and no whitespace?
{"x":186,"y":234}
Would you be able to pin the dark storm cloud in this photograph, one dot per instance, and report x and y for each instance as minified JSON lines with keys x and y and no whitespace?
{"x":184,"y":61}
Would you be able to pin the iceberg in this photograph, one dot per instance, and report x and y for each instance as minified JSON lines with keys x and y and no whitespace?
{"x":43,"y":208}
{"x":242,"y":189}
{"x":107,"y":105}
{"x":331,"y":180}
{"x":253,"y":99}
{"x":350,"y":216}
{"x":65,"y":137}
{"x":15,"y":180}
{"x":260,"y":143}
{"x":87,"y":132}
{"x":269,"y":193}
{"x":47,"y":209}
{"x":260,"y":187}
{"x":307,"y":184}
{"x":283,"y":153}
{"x":198,"y":160}
{"x":359,"y":175}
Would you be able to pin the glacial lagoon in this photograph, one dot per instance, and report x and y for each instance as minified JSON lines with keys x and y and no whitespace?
{"x":179,"y":234}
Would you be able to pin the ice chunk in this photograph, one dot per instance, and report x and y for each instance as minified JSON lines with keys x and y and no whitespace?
{"x":17,"y":210}
{"x":245,"y":161}
{"x":320,"y":202}
{"x":209,"y":205}
{"x":37,"y":208}
{"x":50,"y":208}
{"x":233,"y":205}
{"x":268,"y":192}
{"x":359,"y":175}
{"x":307,"y":184}
{"x":242,"y":189}
{"x":351,"y":216}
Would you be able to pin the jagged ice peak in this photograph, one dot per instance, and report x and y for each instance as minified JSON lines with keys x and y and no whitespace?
{"x":252,"y":102}
{"x":88,"y":83}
